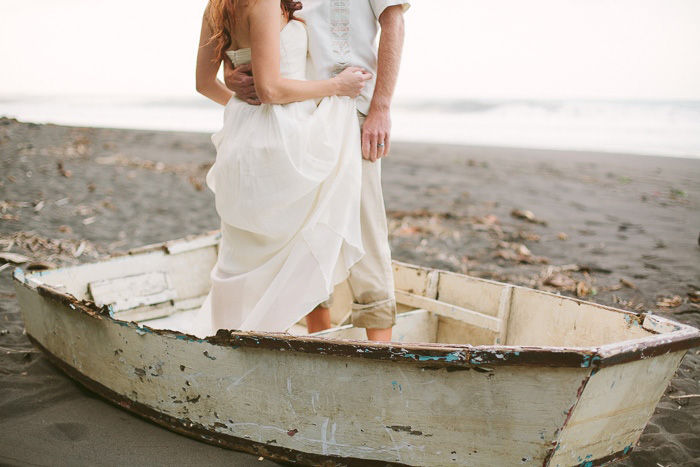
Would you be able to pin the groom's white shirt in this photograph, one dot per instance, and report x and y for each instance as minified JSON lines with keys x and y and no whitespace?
{"x":343,"y":33}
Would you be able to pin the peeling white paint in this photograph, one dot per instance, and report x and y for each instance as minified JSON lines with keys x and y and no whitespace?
{"x":324,"y":442}
{"x":448,"y":409}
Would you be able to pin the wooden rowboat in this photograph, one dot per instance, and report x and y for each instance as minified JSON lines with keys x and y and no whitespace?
{"x":480,"y":373}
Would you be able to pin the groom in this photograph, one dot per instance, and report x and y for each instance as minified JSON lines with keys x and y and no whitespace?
{"x":342,"y":35}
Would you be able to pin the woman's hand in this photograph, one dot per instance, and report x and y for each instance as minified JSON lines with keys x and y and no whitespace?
{"x":351,"y":81}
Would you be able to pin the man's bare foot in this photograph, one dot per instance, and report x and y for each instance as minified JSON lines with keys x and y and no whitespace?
{"x":381,"y":335}
{"x":318,"y":320}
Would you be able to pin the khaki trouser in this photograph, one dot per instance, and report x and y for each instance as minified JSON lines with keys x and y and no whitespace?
{"x":371,"y":279}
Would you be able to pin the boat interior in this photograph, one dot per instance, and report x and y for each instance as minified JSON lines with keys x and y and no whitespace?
{"x":162,"y":286}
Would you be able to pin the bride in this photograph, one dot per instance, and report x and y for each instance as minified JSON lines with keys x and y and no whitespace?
{"x":287,"y":173}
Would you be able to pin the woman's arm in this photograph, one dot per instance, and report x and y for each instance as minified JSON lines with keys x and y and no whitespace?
{"x":271,"y":87}
{"x":207,"y":67}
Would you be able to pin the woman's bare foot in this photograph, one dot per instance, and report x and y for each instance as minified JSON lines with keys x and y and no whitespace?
{"x":318,"y":320}
{"x":381,"y":335}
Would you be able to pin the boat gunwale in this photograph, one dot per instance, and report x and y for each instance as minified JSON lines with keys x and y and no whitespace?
{"x":431,"y":355}
{"x":682,"y":337}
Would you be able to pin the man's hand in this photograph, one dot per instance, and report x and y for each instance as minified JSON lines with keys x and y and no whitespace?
{"x":240,"y":81}
{"x":376,"y":130}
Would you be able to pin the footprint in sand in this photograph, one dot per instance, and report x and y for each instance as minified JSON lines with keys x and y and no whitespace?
{"x":68,"y":431}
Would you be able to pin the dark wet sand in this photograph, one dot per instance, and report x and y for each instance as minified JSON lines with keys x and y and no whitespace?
{"x":608,"y":217}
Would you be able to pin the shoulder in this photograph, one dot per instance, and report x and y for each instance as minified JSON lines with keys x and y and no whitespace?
{"x":254,"y":5}
{"x":262,"y":13}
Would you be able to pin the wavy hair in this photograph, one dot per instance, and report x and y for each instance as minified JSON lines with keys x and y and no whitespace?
{"x":222,"y":18}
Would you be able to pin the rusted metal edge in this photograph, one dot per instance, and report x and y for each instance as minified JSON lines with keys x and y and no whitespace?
{"x":203,"y":433}
{"x":434,"y":355}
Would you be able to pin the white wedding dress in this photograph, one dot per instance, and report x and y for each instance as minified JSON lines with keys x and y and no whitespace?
{"x":287,"y":187}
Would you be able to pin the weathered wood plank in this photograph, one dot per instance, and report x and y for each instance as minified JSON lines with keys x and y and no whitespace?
{"x":432,"y":284}
{"x":504,"y":305}
{"x":411,"y":278}
{"x":455,"y":312}
{"x":189,"y":271}
{"x":127,"y":292}
{"x":197,"y":242}
{"x":470,"y":293}
{"x":455,"y":331}
{"x":157,"y":316}
{"x":542,"y":319}
{"x":615,"y":405}
{"x":413,"y":326}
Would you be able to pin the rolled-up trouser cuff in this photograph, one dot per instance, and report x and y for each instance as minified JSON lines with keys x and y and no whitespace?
{"x":377,"y":315}
{"x":327,"y":303}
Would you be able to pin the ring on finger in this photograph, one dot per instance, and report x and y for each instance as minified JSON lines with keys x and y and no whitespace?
{"x":380,"y":145}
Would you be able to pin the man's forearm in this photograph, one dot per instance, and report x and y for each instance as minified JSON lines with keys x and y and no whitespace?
{"x":389,"y":60}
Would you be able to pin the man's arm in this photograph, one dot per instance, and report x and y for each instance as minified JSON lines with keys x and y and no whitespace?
{"x":240,"y":81}
{"x":377,"y":126}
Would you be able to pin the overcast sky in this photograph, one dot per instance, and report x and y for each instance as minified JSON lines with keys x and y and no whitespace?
{"x":610,"y":49}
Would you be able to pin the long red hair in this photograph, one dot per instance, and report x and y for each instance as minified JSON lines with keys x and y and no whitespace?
{"x":221,"y":19}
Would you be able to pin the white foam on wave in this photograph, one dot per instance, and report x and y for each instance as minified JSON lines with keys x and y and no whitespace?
{"x":648,"y":128}
{"x":663,"y":129}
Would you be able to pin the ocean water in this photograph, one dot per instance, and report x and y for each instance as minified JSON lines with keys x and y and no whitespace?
{"x":647,"y":128}
{"x":659,"y":128}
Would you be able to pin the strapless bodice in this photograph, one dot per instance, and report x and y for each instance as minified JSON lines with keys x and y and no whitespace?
{"x":293,"y":50}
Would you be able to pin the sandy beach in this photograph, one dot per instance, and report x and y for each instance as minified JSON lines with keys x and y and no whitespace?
{"x":616,"y":229}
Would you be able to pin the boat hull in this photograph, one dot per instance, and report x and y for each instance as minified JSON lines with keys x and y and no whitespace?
{"x":481,"y":373}
{"x":316,"y":409}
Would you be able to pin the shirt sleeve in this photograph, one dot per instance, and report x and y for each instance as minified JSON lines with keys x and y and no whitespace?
{"x":378,"y":6}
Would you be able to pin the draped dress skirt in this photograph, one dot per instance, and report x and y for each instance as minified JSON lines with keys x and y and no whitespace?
{"x":286,"y":181}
